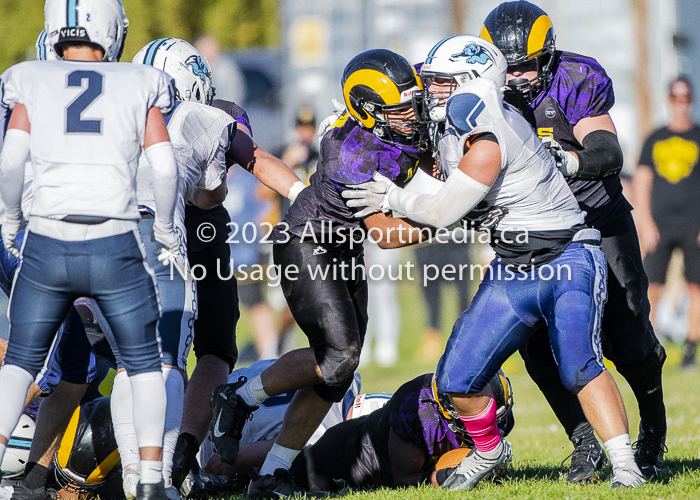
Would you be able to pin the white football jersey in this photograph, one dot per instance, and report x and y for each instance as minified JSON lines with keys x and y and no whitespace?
{"x":529,"y":185}
{"x":200,"y":136}
{"x":87,"y":128}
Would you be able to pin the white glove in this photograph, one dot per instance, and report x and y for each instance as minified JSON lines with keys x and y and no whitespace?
{"x":10,"y":229}
{"x":567,"y":163}
{"x":328,"y":121}
{"x":169,"y":251}
{"x":374,"y":195}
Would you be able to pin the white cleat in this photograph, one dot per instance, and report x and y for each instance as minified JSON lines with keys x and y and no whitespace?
{"x":131,"y":478}
{"x":475,"y":467}
{"x":627,"y":477}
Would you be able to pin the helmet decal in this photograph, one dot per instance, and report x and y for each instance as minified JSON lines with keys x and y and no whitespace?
{"x":198,"y":66}
{"x":538,"y":34}
{"x":72,"y":13}
{"x":475,"y":54}
{"x":153,"y":50}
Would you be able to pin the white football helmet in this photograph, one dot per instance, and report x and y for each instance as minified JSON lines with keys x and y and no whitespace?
{"x":44,"y":51}
{"x":459,"y":59}
{"x":184,"y":63}
{"x":101,"y":22}
{"x":17,"y":452}
{"x":365,"y":404}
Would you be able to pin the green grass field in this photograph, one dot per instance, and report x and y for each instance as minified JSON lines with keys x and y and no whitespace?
{"x":539,"y":442}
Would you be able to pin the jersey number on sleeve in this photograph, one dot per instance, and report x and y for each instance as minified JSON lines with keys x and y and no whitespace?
{"x":74,"y":123}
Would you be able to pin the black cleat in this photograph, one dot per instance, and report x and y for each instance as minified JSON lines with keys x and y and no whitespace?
{"x":21,"y":492}
{"x":278,"y":485}
{"x":588,"y":457}
{"x":201,"y":484}
{"x":155,"y":491}
{"x":230,"y":414}
{"x":184,"y":458}
{"x":649,"y":449}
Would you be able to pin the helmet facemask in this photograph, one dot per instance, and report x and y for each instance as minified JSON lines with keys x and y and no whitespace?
{"x":522,"y":89}
{"x":402,"y":124}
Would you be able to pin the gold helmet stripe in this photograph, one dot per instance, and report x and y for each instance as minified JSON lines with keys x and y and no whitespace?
{"x":485,"y":34}
{"x":68,"y":437}
{"x":103,"y":468}
{"x":437,"y":399}
{"x":538,"y":34}
{"x":376,"y":81}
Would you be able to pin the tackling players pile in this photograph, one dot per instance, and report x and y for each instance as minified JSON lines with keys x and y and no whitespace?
{"x":127,"y":160}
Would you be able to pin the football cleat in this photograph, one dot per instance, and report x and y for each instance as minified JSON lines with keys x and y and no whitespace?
{"x":230,"y":415}
{"x":475,"y":467}
{"x":201,"y":484}
{"x":624,"y":477}
{"x":588,"y":457}
{"x":130,"y":480}
{"x":155,"y":491}
{"x":649,"y":449}
{"x":184,"y":458}
{"x":21,"y":492}
{"x":278,"y":485}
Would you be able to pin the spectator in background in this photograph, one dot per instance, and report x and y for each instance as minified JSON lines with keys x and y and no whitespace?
{"x":227,"y":78}
{"x":382,"y":337}
{"x":667,"y":184}
{"x":432,"y":259}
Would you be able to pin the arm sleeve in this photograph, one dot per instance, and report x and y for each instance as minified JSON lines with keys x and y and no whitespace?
{"x":601,"y":157}
{"x":12,"y":163}
{"x":165,"y":182}
{"x":459,"y":195}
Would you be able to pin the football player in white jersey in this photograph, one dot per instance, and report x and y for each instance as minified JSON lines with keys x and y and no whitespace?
{"x":201,"y":136}
{"x":549,"y":268}
{"x":85,"y":124}
{"x":214,"y":330}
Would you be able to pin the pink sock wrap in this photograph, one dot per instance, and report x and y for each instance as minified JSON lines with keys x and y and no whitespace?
{"x":483,"y":428}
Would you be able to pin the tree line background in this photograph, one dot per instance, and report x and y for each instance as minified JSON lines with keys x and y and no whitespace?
{"x":235,"y":23}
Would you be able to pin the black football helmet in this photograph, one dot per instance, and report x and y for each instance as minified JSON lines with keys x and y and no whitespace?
{"x":88,"y":458}
{"x":502,"y":394}
{"x":523,"y":33}
{"x":377,"y":83}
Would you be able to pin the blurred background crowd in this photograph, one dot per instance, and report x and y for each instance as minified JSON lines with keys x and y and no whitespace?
{"x":281,"y":60}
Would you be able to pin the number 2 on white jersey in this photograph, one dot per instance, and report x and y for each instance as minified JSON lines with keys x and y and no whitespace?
{"x":74,"y":122}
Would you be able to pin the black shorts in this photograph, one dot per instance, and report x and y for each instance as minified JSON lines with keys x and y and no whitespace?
{"x":344,"y":456}
{"x":217,"y":306}
{"x":330,"y":310}
{"x":674,"y":235}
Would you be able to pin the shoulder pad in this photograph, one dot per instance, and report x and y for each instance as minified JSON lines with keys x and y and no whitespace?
{"x":475,"y":107}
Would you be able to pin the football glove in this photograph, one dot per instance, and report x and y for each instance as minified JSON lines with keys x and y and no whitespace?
{"x":373,"y":196}
{"x":169,"y":251}
{"x":10,"y":229}
{"x":567,"y":163}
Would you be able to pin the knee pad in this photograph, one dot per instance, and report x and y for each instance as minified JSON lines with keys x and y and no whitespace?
{"x":338,"y":369}
{"x":575,"y":379}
